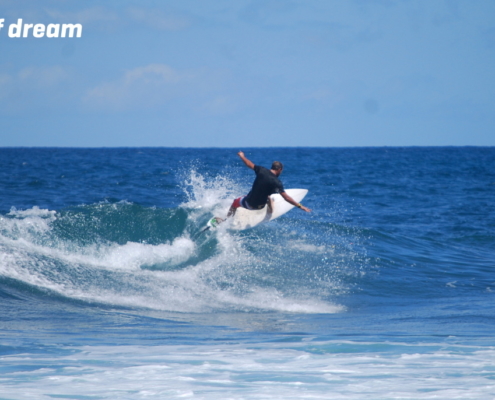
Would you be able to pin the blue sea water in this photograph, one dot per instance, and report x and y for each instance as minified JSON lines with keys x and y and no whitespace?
{"x":109,"y":291}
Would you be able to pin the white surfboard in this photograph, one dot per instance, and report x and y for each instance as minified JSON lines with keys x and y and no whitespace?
{"x":245,"y":219}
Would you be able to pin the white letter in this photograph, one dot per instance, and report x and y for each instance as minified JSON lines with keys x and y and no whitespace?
{"x":52,"y":30}
{"x":71,"y":27}
{"x":2,"y":20}
{"x":17,"y":28}
{"x":39,"y":30}
{"x":27,"y":27}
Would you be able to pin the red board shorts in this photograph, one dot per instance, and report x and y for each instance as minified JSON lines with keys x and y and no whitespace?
{"x":241,"y":202}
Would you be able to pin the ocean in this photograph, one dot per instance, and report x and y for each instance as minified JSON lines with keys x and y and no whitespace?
{"x":109,"y":290}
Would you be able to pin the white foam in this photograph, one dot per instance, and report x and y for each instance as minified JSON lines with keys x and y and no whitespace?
{"x":135,"y":255}
{"x":264,"y":371}
{"x":28,"y":224}
{"x":32,"y":212}
{"x":271,"y":299}
{"x":111,"y":256}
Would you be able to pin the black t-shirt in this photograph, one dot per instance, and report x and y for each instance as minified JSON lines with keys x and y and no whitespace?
{"x":265,"y":184}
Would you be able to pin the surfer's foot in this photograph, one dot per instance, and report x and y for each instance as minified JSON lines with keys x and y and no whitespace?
{"x":216,"y":221}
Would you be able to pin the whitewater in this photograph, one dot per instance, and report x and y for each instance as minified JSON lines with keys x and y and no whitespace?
{"x":109,"y":289}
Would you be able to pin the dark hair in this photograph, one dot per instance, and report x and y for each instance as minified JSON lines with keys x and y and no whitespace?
{"x":277,"y":166}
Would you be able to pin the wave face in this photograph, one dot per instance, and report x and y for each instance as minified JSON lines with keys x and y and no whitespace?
{"x":125,"y":254}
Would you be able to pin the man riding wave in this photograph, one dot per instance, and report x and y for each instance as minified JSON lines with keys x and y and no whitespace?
{"x":265,"y":184}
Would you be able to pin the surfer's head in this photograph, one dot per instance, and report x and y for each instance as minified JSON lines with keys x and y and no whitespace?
{"x":277,"y":166}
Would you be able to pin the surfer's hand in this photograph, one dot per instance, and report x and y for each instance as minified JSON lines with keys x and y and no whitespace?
{"x":305,"y":208}
{"x":248,"y":163}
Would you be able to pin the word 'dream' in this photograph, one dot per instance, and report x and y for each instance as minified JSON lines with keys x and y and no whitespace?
{"x":40,"y":30}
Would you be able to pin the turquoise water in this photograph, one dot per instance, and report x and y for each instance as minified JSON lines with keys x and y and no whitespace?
{"x":108,"y":290}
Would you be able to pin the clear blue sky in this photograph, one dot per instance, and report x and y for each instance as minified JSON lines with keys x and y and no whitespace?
{"x":223,"y":73}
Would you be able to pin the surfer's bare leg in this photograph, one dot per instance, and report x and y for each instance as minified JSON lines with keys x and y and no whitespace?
{"x":235,"y":205}
{"x":231,"y":211}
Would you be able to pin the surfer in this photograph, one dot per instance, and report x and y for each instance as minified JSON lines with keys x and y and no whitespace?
{"x":265,"y":184}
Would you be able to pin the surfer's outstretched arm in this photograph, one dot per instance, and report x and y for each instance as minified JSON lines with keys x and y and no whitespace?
{"x":290,"y":200}
{"x":246,"y":161}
